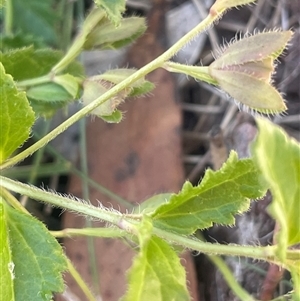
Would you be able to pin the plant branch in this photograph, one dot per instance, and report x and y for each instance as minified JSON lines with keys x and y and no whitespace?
{"x":94,"y":232}
{"x":12,"y":200}
{"x":85,"y":289}
{"x":158,"y":62}
{"x":35,"y":81}
{"x":230,"y":279}
{"x":75,"y":204}
{"x":267,"y":253}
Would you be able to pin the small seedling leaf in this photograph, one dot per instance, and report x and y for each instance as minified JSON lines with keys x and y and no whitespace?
{"x":220,"y":195}
{"x":16,"y":116}
{"x":278,"y":158}
{"x":156,"y":273}
{"x":37,"y":257}
{"x":114,"y":9}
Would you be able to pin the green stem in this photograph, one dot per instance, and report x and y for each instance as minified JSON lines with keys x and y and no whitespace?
{"x":36,"y":163}
{"x":91,"y":21}
{"x":158,"y":62}
{"x":86,"y":196}
{"x":230,"y":279}
{"x":267,"y":253}
{"x":80,"y":281}
{"x":61,"y":201}
{"x":8,"y":18}
{"x":44,"y":170}
{"x":12,"y":200}
{"x":94,"y":232}
{"x":35,"y":81}
{"x":198,"y":72}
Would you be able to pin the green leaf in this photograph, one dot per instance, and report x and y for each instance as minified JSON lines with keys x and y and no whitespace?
{"x":2,"y":3}
{"x":6,"y":264}
{"x":219,"y":196}
{"x":16,"y":116}
{"x":46,"y":99}
{"x":49,"y":92}
{"x":27,"y":63}
{"x":278,"y":158}
{"x":151,"y":204}
{"x":20,"y":40}
{"x":37,"y":257}
{"x":115,"y":117}
{"x":69,"y":83}
{"x":114,"y":9}
{"x":156,"y":273}
{"x":36,"y":17}
{"x":46,"y":109}
{"x":107,"y":36}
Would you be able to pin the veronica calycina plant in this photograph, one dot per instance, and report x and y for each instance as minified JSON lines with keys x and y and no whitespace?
{"x":163,"y":220}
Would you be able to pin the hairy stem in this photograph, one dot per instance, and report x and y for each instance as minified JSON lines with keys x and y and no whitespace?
{"x":158,"y":62}
{"x":129,"y":225}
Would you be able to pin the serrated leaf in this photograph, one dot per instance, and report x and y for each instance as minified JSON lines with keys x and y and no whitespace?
{"x":29,"y":63}
{"x":36,"y":17}
{"x":38,"y":258}
{"x":16,"y":116}
{"x":156,"y":273}
{"x":107,"y":36}
{"x":6,"y":264}
{"x":278,"y":158}
{"x":20,"y":40}
{"x":114,"y":9}
{"x":220,"y":195}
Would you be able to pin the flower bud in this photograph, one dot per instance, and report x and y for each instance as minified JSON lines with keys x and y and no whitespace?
{"x":221,"y":6}
{"x":244,"y":70}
